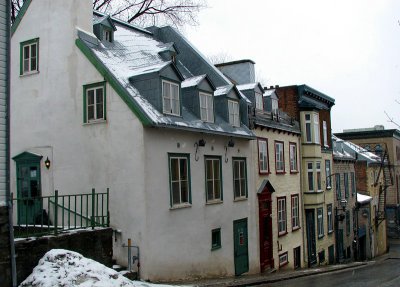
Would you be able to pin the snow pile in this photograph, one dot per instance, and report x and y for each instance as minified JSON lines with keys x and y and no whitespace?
{"x":60,"y":267}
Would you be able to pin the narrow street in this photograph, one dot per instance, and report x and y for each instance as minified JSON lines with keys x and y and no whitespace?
{"x":384,"y":274}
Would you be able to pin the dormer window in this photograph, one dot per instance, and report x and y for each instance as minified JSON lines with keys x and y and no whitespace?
{"x":170,"y":94}
{"x":259,"y":101}
{"x":104,"y":29}
{"x":274,"y":105}
{"x":206,"y":107}
{"x":107,"y":35}
{"x":233,"y":109}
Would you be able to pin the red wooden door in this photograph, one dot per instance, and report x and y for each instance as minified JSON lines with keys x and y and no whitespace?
{"x":265,"y":223}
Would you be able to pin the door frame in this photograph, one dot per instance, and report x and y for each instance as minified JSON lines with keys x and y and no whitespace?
{"x":265,"y":196}
{"x":28,"y":159}
{"x":240,"y":268}
{"x":311,"y":237}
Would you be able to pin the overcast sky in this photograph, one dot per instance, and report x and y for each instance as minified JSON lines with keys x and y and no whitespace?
{"x":346,"y":49}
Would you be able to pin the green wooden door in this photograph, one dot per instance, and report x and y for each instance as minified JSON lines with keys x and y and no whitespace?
{"x":28,"y":193}
{"x":240,"y":239}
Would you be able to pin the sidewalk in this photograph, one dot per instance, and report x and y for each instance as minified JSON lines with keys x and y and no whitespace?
{"x":257,"y":279}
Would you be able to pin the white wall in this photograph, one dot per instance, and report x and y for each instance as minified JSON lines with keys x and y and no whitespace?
{"x":183,"y":236}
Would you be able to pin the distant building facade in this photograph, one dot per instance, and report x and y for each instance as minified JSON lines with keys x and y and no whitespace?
{"x":386,"y":144}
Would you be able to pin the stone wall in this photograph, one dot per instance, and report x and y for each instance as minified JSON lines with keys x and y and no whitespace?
{"x":94,"y":244}
{"x":5,"y":262}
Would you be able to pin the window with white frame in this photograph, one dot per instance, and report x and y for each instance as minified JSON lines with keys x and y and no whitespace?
{"x":330,"y":218}
{"x":233,"y":109}
{"x":316,"y":128}
{"x":318,"y":173}
{"x":259,"y":101}
{"x":283,"y":259}
{"x":310,"y":176}
{"x":179,"y":179}
{"x":171,"y":102}
{"x":281,"y":215}
{"x":274,"y":105}
{"x":308,"y":127}
{"x":263,"y":156}
{"x":279,"y":157}
{"x":239,"y":178}
{"x":213,"y":178}
{"x":94,"y":102}
{"x":338,"y":190}
{"x":107,"y":35}
{"x":206,"y":107}
{"x":293,"y":156}
{"x":295,"y":212}
{"x":325,"y":131}
{"x":328,"y":174}
{"x":320,"y":222}
{"x":29,"y":57}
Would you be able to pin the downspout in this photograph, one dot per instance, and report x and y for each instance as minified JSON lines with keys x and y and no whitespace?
{"x":302,"y":200}
{"x":8,"y":194}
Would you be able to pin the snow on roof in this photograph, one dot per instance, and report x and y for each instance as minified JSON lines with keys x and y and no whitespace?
{"x":362,"y":198}
{"x":249,"y":86}
{"x":220,"y":91}
{"x":2,"y":203}
{"x":268,"y":93}
{"x":60,"y":267}
{"x":191,"y":82}
{"x":362,"y":153}
{"x":133,"y":53}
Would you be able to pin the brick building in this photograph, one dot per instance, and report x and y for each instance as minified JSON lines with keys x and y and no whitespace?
{"x":386,"y":144}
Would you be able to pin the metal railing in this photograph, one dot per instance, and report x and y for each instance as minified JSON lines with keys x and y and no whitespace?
{"x":51,"y":215}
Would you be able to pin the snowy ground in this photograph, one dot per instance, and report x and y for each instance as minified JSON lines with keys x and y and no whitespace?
{"x":65,"y":268}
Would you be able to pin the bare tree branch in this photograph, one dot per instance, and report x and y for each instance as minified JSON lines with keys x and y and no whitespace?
{"x":391,"y":120}
{"x":143,"y":12}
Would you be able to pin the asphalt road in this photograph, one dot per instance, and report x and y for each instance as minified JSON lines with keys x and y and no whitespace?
{"x":384,"y":273}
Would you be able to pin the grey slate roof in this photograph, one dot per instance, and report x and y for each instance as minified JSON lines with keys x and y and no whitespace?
{"x":135,"y":52}
{"x":343,"y":149}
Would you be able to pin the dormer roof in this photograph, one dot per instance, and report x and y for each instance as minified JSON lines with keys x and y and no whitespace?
{"x":195,"y":81}
{"x":106,"y":21}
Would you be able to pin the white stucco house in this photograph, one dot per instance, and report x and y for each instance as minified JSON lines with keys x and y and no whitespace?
{"x":143,"y":113}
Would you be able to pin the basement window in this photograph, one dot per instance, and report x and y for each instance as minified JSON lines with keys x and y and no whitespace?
{"x":216,"y":239}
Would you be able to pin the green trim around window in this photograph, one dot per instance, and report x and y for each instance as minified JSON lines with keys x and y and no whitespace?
{"x":109,"y":77}
{"x":20,"y":15}
{"x":216,"y":239}
{"x":95,"y":85}
{"x":21,"y":55}
{"x":206,"y":157}
{"x":245,"y":174}
{"x":187,"y":156}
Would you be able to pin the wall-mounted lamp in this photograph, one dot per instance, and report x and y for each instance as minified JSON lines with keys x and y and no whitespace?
{"x":47,"y":163}
{"x":231,"y":143}
{"x":343,"y":204}
{"x":200,"y":143}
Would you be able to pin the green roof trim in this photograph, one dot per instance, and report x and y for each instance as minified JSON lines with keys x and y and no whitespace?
{"x":121,"y":91}
{"x":20,"y":15}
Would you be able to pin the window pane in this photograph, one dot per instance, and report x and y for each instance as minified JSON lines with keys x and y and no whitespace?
{"x":184,"y":192}
{"x":174,"y":169}
{"x":26,"y":65}
{"x":210,"y":194}
{"x":175,"y":193}
{"x":237,"y":188}
{"x":217,"y":189}
{"x":26,"y":52}
{"x":90,"y":114}
{"x":33,"y":50}
{"x":216,"y":169}
{"x":90,"y":97}
{"x":183,"y":168}
{"x":33,"y":64}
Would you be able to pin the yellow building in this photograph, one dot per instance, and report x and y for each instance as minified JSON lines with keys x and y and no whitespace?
{"x":312,"y":109}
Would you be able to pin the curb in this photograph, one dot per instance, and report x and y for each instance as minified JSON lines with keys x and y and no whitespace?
{"x":266,"y":280}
